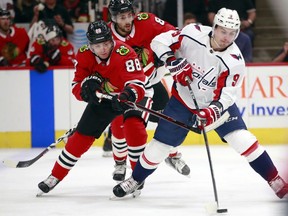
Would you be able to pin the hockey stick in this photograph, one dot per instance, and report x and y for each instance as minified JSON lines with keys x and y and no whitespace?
{"x":152,"y":112}
{"x":27,"y":163}
{"x":188,"y":81}
{"x":216,"y":124}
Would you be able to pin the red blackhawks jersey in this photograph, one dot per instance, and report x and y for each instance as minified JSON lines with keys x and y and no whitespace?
{"x":66,"y":49}
{"x":121,"y":69}
{"x":146,"y":26}
{"x":14,"y":46}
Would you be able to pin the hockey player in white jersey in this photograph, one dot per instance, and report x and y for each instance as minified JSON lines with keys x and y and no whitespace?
{"x":211,"y":59}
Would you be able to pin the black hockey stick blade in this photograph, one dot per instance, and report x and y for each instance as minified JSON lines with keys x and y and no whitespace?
{"x":27,"y":163}
{"x":222,"y":210}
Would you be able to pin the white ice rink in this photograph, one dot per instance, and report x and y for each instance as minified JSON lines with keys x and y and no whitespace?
{"x":86,"y":189}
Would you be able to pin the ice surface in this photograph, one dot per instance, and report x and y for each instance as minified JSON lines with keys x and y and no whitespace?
{"x":87,"y":188}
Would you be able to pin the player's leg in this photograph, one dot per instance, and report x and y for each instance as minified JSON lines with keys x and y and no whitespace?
{"x":107,"y":145}
{"x":247,"y":145}
{"x":160,"y":99}
{"x":167,"y":136}
{"x":175,"y":161}
{"x":119,"y":148}
{"x":91,"y":125}
{"x":135,"y":123}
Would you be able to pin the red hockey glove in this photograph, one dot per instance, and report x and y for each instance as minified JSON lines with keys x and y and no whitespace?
{"x":208,"y":116}
{"x":180,"y":69}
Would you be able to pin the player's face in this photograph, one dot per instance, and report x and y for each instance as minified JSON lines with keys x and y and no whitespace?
{"x":4,"y":24}
{"x":54,"y":42}
{"x":224,"y":36}
{"x":103,"y":49}
{"x":124,"y":22}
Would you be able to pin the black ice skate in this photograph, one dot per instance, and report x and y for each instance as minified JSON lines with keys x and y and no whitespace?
{"x":47,"y":185}
{"x":129,"y":186}
{"x":178,"y":164}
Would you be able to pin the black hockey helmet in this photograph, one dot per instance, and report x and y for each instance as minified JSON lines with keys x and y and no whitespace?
{"x":4,"y":13}
{"x":120,"y":6}
{"x":98,"y":32}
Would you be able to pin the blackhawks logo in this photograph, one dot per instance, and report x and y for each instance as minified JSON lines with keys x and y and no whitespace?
{"x":123,"y":50}
{"x":83,"y":48}
{"x":108,"y":87}
{"x":142,"y":16}
{"x":143,"y":55}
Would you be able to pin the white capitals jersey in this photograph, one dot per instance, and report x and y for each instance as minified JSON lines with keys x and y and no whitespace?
{"x":217,"y":76}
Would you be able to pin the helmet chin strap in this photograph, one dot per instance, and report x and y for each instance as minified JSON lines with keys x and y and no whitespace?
{"x":215,"y":42}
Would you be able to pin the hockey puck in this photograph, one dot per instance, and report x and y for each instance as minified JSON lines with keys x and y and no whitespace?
{"x":222,"y":210}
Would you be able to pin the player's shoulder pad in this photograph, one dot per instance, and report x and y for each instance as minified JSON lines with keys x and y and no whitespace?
{"x":232,"y":56}
{"x":84,"y":48}
{"x":234,"y":53}
{"x":195,"y":29}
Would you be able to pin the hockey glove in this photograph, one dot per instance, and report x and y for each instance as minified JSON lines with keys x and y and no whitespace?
{"x":88,"y":89}
{"x":208,"y":116}
{"x":3,"y":61}
{"x":128,"y":94}
{"x":54,"y":56}
{"x":38,"y":64}
{"x":179,"y":69}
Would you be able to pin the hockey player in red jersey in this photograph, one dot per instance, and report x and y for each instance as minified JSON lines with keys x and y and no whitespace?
{"x":129,"y":134}
{"x":52,"y":50}
{"x":14,"y":42}
{"x":213,"y":63}
{"x":101,"y":65}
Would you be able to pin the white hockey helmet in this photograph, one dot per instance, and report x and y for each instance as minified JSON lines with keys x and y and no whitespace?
{"x":52,"y":31}
{"x":227,"y":18}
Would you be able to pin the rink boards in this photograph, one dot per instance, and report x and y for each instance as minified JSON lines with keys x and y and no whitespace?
{"x":38,"y":108}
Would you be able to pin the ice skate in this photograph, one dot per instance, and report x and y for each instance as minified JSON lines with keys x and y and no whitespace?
{"x":47,"y":185}
{"x":178,"y":164}
{"x":120,"y":171}
{"x":129,"y":186}
{"x":137,"y":192}
{"x":107,"y":147}
{"x":279,"y":186}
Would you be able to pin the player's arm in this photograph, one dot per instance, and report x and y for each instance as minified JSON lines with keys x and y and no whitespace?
{"x":133,"y":78}
{"x":165,"y":44}
{"x":159,"y":26}
{"x":68,"y":56}
{"x":82,"y":70}
{"x":37,"y":58}
{"x":225,"y":95}
{"x":228,"y":84}
{"x":23,"y":45}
